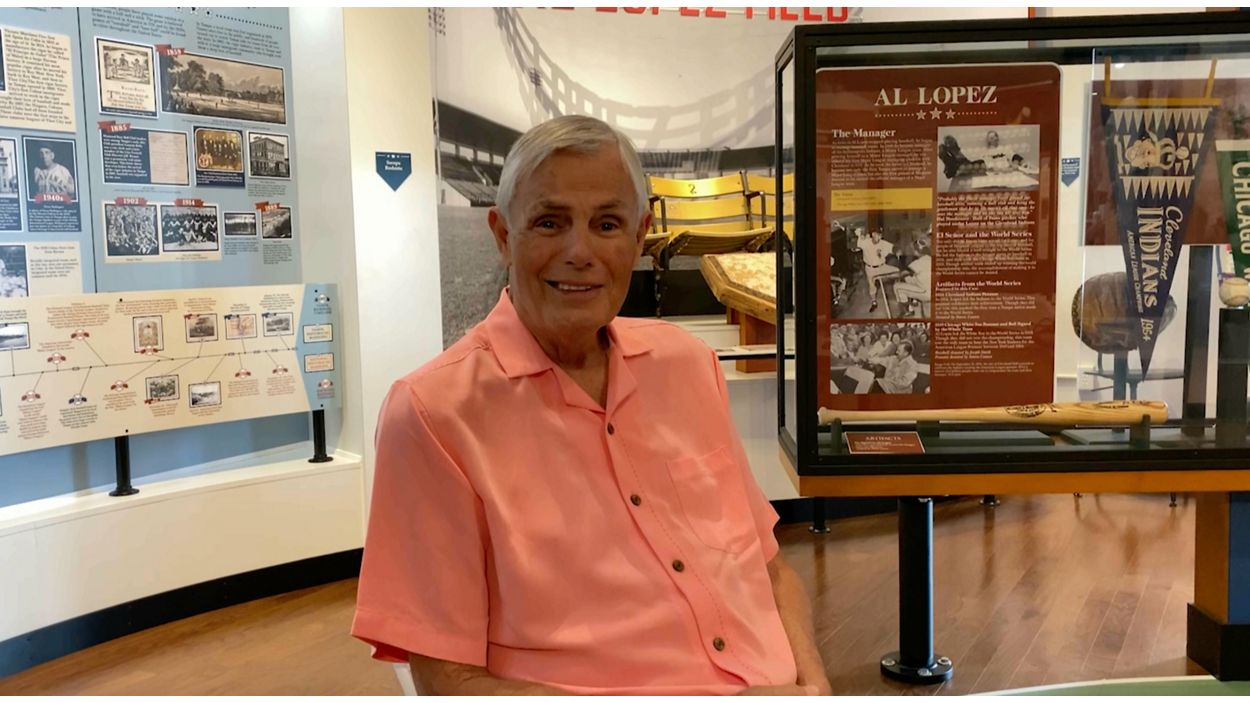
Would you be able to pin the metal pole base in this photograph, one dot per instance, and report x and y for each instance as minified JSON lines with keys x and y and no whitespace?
{"x":818,"y":526}
{"x":320,"y":459}
{"x":893,"y":667}
{"x":127,"y":491}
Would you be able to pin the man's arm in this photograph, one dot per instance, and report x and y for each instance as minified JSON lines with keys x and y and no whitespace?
{"x":796,"y":617}
{"x":435,"y":677}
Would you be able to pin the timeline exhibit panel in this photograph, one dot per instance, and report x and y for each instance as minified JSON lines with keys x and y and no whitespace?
{"x":190,"y":128}
{"x":86,"y":367}
{"x":45,"y":229}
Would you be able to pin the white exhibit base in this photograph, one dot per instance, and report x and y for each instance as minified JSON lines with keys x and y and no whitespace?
{"x":74,"y":554}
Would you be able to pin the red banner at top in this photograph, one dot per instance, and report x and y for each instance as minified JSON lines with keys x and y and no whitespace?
{"x":130,"y":201}
{"x":189,"y":202}
{"x":111,"y":126}
{"x":266,"y":206}
{"x":53,"y":198}
{"x":167,"y":50}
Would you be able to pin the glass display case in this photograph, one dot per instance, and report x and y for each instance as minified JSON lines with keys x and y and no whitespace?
{"x":1019,"y":246}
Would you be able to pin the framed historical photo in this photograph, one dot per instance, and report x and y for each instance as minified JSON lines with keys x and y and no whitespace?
{"x":201,"y":327}
{"x":149,"y":333}
{"x":14,"y":280}
{"x":241,"y":326}
{"x":268,"y":155}
{"x":221,"y":87}
{"x":240,"y":224}
{"x":275,"y":223}
{"x":205,"y":394}
{"x":131,"y":230}
{"x":51,"y":165}
{"x":162,"y":388}
{"x":14,"y":336}
{"x":189,"y":228}
{"x":278,"y":324}
{"x":126,"y":74}
{"x":218,"y":157}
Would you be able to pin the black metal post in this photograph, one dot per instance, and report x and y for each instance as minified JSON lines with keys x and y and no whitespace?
{"x":819,"y":526}
{"x":915,"y":661}
{"x":121,"y":452}
{"x":1119,"y":379}
{"x":1197,"y":341}
{"x":1230,"y":377}
{"x":319,"y":438}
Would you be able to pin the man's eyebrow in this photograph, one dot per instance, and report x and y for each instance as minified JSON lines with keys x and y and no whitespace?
{"x":549,"y":205}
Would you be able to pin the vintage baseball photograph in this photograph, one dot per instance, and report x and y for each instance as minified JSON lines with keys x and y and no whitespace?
{"x":189,"y":228}
{"x":8,"y":168}
{"x":889,"y":357}
{"x":14,"y":281}
{"x":268,"y":155}
{"x":988,"y":158}
{"x":275,"y":223}
{"x":196,"y":84}
{"x":149,"y":331}
{"x":240,"y":224}
{"x":126,"y":78}
{"x":218,"y":150}
{"x":50,"y":168}
{"x":242,"y":326}
{"x":278,"y":324}
{"x":14,"y":336}
{"x":131,"y":230}
{"x":880,"y":265}
{"x":162,"y":388}
{"x":202,"y":328}
{"x":204,"y":394}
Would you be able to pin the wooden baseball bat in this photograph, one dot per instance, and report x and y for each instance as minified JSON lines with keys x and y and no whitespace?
{"x":1114,"y":412}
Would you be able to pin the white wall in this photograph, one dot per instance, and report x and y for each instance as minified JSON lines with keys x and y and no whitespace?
{"x":390,"y":108}
{"x":668,"y":81}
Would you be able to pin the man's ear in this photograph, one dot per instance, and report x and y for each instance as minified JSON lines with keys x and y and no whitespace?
{"x":499,"y":227}
{"x":644,"y":226}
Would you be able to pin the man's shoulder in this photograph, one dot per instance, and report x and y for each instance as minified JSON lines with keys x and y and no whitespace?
{"x":470,"y":360}
{"x":665,"y":339}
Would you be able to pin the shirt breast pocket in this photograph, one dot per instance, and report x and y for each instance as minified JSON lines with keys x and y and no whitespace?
{"x":713,"y":499}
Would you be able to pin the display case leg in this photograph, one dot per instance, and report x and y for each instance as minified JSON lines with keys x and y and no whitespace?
{"x":915,"y":661}
{"x":121,"y":451}
{"x":319,"y":438}
{"x":819,"y":527}
{"x":1197,"y":341}
{"x":1230,"y":377}
{"x":1171,"y":500}
{"x":990,"y":501}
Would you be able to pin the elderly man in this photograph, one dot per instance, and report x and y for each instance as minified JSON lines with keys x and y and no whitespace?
{"x":561,"y":502}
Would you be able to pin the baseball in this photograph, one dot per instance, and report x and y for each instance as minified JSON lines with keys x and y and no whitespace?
{"x":1235,"y":292}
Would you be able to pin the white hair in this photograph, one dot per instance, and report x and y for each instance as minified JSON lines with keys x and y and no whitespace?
{"x":576,"y":133}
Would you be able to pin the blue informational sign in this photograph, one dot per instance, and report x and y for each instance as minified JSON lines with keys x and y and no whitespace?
{"x":394,"y":167}
{"x":1069,"y":170}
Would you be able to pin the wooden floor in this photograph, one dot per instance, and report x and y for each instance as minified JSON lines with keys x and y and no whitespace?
{"x":1040,"y":590}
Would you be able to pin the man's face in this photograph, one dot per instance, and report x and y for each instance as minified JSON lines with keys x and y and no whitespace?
{"x":902,"y":352}
{"x":48,"y":157}
{"x":876,"y":236}
{"x":991,"y":139}
{"x":571,"y":238}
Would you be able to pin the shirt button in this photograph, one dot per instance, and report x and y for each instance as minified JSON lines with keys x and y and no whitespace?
{"x":678,"y":565}
{"x":718,"y":644}
{"x":611,"y":429}
{"x":635,"y":499}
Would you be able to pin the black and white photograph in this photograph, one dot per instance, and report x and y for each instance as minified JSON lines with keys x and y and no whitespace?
{"x":880,"y":265}
{"x":50,"y":168}
{"x":126,"y":78}
{"x":278,"y":324}
{"x":162,"y":388}
{"x":149,"y":332}
{"x":14,"y":282}
{"x":275,"y":223}
{"x":189,"y":228}
{"x":241,"y":326}
{"x":14,"y":336}
{"x":202,"y":327}
{"x":131,"y":230}
{"x":268,"y":155}
{"x":204,"y":394}
{"x":218,"y":150}
{"x":240,"y":224}
{"x":4,"y":75}
{"x":999,"y":157}
{"x":879,"y":357}
{"x":8,"y":168}
{"x":196,"y":84}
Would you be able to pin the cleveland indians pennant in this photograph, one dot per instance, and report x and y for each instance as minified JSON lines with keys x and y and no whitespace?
{"x":1155,"y":149}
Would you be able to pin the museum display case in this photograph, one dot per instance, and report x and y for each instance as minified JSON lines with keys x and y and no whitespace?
{"x":1018,"y":245}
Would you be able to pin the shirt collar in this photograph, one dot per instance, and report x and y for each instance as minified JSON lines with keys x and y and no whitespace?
{"x":520,"y":354}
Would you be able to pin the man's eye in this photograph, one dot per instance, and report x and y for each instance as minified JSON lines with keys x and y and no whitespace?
{"x":609,"y":226}
{"x":545,"y":224}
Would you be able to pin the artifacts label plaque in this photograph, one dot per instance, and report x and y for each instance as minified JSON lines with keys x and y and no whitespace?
{"x":936,"y":222}
{"x":884,"y":443}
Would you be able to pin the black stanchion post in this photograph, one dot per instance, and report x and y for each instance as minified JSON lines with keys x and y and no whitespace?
{"x":121,"y":453}
{"x":819,"y":526}
{"x":1197,"y":336}
{"x":319,"y":438}
{"x":1230,"y":377}
{"x":915,"y":661}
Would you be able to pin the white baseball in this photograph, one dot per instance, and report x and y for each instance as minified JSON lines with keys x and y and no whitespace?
{"x":1235,"y":292}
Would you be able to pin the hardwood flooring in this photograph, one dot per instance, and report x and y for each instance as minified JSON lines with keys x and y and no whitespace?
{"x":1040,"y":590}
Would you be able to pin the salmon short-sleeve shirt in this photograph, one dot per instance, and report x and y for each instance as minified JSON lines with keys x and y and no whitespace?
{"x":519,"y":526}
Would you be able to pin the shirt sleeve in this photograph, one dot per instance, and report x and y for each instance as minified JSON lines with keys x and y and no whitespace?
{"x":423,"y":584}
{"x":761,"y":510}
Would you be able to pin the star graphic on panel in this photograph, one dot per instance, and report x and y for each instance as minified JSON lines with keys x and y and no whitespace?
{"x":920,"y":115}
{"x":936,"y":113}
{"x":950,"y":114}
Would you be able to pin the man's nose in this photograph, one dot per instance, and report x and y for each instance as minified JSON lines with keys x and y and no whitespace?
{"x":579,"y":249}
